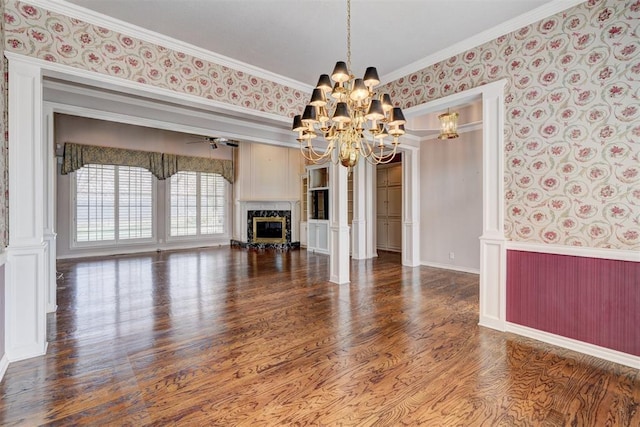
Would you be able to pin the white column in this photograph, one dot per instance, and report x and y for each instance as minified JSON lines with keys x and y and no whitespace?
{"x":49,"y":175}
{"x":25,"y":281}
{"x":492,"y":243}
{"x":339,"y":228}
{"x":359,"y":222}
{"x":411,"y":207}
{"x":295,"y":220}
{"x":369,"y":210}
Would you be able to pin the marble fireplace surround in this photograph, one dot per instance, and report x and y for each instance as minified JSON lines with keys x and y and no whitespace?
{"x":289,"y":209}
{"x":268,"y":214}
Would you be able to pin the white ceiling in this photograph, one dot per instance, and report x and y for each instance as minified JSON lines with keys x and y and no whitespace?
{"x":301,"y":39}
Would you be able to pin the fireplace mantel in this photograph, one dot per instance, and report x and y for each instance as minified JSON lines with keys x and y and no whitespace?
{"x":292,"y":205}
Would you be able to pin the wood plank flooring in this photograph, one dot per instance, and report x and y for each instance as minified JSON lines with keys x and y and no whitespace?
{"x":230,"y":337}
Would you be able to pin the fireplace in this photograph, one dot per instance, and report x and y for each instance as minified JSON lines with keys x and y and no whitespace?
{"x":270,"y":226}
{"x":269,"y":218}
{"x":269,"y":229}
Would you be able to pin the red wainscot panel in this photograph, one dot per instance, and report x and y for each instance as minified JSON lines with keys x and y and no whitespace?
{"x":588,"y":299}
{"x":2,"y":311}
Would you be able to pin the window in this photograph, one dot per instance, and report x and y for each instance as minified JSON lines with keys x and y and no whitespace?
{"x":103,"y":190}
{"x":197,"y":204}
{"x":95,"y":203}
{"x":135,"y":203}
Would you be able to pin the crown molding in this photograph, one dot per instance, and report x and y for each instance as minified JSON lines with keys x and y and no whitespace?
{"x":74,"y":11}
{"x":537,"y":14}
{"x":151,"y":104}
{"x":78,"y":75}
{"x":409,"y":142}
{"x":92,"y":113}
{"x":269,"y":128}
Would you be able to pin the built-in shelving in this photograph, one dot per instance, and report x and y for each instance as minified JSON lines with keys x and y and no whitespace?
{"x":318,"y":195}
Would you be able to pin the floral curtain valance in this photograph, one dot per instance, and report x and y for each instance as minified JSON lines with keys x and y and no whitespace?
{"x":202,"y":164}
{"x":161,"y":165}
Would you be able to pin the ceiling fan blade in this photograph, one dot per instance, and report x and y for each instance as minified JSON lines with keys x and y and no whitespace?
{"x":214,"y":141}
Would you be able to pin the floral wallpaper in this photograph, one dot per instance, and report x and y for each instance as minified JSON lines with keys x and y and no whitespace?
{"x":572,"y":119}
{"x":572,"y":122}
{"x":4,"y":142}
{"x":39,"y":33}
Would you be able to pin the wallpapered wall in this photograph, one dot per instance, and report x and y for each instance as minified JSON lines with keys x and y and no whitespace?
{"x":572,"y":147}
{"x":572,"y":123}
{"x":46,"y":35}
{"x":4,"y":141}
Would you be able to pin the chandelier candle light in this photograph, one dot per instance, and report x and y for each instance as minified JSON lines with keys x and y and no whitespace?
{"x":361,"y":117}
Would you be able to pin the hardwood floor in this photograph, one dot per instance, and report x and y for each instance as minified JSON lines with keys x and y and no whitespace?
{"x":233,"y":337}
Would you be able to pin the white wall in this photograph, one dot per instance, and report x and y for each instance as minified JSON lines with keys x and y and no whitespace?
{"x":82,"y":130}
{"x":451,"y":201}
{"x":110,"y":134}
{"x":267,"y":173}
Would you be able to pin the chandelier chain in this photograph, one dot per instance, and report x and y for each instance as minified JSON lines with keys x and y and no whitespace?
{"x":349,"y":35}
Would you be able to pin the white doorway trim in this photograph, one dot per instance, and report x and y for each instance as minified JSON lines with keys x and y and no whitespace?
{"x":31,"y":254}
{"x":492,"y":241}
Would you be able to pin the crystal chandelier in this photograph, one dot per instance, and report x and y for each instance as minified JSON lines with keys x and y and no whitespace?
{"x":361,"y":118}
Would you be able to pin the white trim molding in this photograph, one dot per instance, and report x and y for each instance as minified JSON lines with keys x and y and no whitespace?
{"x":4,"y":360}
{"x":4,"y":364}
{"x":493,"y":283}
{"x":68,"y":99}
{"x":339,"y":231}
{"x":91,"y":78}
{"x":362,"y":210}
{"x":141,"y":250}
{"x":411,"y":206}
{"x":26,"y":284}
{"x":461,"y":130}
{"x":493,"y":287}
{"x":580,"y":251}
{"x":49,"y":188}
{"x":450,"y":267}
{"x":575,"y":345}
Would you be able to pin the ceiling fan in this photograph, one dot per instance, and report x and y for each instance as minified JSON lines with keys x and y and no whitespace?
{"x":214,"y":141}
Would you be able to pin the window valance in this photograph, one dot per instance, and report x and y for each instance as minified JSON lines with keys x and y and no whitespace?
{"x":161,"y":165}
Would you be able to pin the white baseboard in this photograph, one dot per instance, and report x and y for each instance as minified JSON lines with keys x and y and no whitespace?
{"x":4,"y":364}
{"x":123,"y":250}
{"x":450,"y":267}
{"x":575,"y":345}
